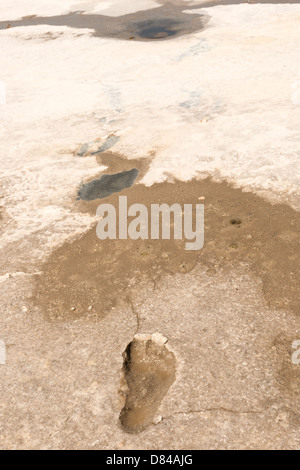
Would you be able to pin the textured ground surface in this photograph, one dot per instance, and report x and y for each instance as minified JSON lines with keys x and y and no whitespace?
{"x":221,"y":101}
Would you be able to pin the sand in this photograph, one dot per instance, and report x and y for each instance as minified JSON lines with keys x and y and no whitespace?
{"x":204,"y":102}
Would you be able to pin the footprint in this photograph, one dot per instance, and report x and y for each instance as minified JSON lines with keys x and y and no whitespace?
{"x":149,"y":369}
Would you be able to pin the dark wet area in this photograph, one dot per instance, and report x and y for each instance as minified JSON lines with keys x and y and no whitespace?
{"x":158,"y":29}
{"x":107,"y":185}
{"x":167,"y":21}
{"x":241,"y":229}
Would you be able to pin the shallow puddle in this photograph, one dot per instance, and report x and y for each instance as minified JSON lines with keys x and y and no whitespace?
{"x":87,"y":277}
{"x":165,"y":22}
{"x":170,"y":20}
{"x":107,"y":184}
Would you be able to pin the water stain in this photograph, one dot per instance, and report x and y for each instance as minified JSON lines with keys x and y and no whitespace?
{"x":90,"y":272}
{"x":164,"y":22}
{"x":116,"y":162}
{"x":149,"y":370}
{"x":98,"y":146}
{"x":107,"y":144}
{"x":158,"y":29}
{"x":107,"y":184}
{"x":167,"y":21}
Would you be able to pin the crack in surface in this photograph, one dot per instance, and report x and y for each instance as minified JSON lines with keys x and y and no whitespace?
{"x":136,"y":314}
{"x":216,"y":409}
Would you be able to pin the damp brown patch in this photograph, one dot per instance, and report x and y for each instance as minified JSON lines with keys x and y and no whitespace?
{"x":49,"y":36}
{"x":117,"y":163}
{"x":149,"y":370}
{"x":87,"y":277}
{"x":166,"y":22}
{"x":156,"y":24}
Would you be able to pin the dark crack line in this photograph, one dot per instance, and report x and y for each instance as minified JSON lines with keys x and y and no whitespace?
{"x":217,"y":409}
{"x":136,"y":314}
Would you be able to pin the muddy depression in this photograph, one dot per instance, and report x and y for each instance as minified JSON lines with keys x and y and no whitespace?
{"x":87,"y":277}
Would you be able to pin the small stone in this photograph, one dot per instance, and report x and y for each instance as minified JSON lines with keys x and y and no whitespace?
{"x":236,"y":221}
{"x":159,"y":338}
{"x":157,"y":419}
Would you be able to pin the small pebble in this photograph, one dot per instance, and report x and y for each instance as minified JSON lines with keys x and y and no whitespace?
{"x":157,"y":419}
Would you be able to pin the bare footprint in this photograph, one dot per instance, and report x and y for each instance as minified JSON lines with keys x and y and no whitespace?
{"x":149,"y":369}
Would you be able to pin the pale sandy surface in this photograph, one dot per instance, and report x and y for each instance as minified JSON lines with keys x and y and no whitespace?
{"x":225,"y":102}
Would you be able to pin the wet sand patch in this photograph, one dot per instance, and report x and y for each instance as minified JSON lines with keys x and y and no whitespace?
{"x":117,"y":163}
{"x":168,"y":21}
{"x":161,"y":23}
{"x":149,"y":371}
{"x":88,"y":277}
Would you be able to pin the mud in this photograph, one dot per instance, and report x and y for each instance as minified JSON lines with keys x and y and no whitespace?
{"x":88,"y":277}
{"x":165,"y":22}
{"x":168,"y":21}
{"x":149,"y":370}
